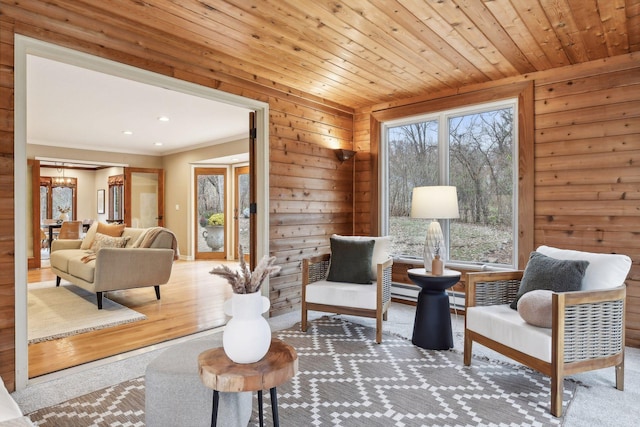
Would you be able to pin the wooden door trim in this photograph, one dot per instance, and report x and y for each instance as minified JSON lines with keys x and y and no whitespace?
{"x":253,"y":185}
{"x":35,"y":260}
{"x":242,"y":170}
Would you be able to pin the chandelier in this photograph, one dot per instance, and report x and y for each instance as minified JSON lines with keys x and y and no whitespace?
{"x":60,"y":179}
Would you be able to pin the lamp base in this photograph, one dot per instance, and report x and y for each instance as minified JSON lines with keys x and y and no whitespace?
{"x":434,"y":237}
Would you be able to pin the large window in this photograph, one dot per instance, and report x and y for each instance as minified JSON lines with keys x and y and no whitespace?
{"x":473,"y":149}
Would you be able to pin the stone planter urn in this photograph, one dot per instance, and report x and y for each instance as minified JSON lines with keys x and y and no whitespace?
{"x":214,"y":236}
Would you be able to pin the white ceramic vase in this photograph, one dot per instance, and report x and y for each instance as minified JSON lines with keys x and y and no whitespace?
{"x":247,"y":336}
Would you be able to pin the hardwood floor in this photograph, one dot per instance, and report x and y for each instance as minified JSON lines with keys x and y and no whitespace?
{"x":191,"y":302}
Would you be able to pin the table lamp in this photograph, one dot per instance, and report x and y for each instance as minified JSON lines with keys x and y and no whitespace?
{"x":434,"y":202}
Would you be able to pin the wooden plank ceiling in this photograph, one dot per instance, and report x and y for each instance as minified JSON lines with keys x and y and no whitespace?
{"x":358,"y":53}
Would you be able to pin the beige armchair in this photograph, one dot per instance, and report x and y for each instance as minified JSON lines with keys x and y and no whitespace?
{"x":358,"y":299}
{"x":587,"y":326}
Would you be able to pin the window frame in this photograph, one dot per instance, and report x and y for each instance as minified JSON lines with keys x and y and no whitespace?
{"x":443,"y":118}
{"x":49,"y":184}
{"x":523,"y":90}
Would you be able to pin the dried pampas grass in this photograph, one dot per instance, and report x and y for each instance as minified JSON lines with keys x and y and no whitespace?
{"x":243,"y":281}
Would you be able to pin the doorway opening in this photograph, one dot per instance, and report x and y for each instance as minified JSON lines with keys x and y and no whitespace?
{"x":25,"y":46}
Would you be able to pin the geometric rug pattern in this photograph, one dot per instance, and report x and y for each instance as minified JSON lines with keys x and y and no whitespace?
{"x":118,"y":405}
{"x":346,"y":379}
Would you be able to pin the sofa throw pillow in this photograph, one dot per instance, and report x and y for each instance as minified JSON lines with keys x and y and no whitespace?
{"x":103,"y":241}
{"x":543,"y":272}
{"x":89,"y":235}
{"x":535,"y":308}
{"x":605,"y":271}
{"x":350,"y":261}
{"x":113,"y":230}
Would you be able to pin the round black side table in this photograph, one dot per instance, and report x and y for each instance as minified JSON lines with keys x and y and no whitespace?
{"x":432,"y":326}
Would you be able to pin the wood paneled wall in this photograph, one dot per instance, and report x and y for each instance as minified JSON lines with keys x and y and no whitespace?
{"x":587,"y":163}
{"x":311,"y":194}
{"x":587,"y":169}
{"x":7,"y":279}
{"x":585,"y":172}
{"x":311,"y":191}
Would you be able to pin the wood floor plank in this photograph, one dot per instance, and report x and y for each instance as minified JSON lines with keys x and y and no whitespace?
{"x":191,"y":302}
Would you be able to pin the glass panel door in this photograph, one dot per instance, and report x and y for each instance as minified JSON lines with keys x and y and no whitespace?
{"x":210,"y":185}
{"x":144,"y":197}
{"x":241,"y":212}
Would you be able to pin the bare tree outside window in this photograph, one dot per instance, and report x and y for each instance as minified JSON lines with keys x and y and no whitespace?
{"x":62,"y":200}
{"x":210,"y":194}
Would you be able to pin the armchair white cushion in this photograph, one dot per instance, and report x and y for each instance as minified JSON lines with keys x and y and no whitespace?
{"x":342,"y":293}
{"x":587,"y":326}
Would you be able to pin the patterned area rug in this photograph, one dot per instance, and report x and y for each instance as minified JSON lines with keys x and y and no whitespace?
{"x":58,"y":312}
{"x":345,"y":379}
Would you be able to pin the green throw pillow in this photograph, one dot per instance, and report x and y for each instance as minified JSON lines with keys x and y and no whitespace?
{"x":350,"y":261}
{"x":557,"y":275}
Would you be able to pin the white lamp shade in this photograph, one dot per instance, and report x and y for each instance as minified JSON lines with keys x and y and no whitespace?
{"x":435,"y":202}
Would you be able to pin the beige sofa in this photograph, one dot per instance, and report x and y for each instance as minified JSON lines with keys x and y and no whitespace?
{"x":142,"y":262}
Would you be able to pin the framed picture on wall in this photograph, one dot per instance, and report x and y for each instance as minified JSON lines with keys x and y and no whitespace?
{"x":100,"y":201}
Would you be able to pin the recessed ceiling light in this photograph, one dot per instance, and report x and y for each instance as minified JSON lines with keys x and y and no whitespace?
{"x":163,"y":118}
{"x":158,"y":144}
{"x":127,"y":132}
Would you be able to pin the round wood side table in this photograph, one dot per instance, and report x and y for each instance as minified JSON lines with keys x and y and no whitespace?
{"x":220,"y":373}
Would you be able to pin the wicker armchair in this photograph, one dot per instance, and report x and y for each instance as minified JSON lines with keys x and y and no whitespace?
{"x":345,"y":298}
{"x":587,"y":330}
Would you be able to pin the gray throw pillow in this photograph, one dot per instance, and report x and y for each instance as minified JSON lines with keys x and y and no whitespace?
{"x":557,"y":275}
{"x":350,"y":261}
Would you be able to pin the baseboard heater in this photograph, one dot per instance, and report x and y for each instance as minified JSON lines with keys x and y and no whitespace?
{"x":402,"y":291}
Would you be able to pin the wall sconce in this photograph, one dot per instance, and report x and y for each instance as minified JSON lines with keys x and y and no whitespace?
{"x":343,"y":154}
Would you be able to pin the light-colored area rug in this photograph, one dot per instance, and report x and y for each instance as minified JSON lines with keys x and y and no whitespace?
{"x":57,"y":312}
{"x":346,"y":379}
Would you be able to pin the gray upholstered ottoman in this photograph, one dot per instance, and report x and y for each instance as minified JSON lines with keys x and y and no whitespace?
{"x":175,"y":396}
